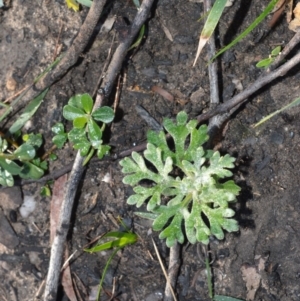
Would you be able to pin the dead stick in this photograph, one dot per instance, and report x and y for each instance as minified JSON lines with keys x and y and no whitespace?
{"x":258,"y":84}
{"x":214,"y":122}
{"x":71,"y":56}
{"x":174,"y":265}
{"x":121,"y":52}
{"x":75,"y":176}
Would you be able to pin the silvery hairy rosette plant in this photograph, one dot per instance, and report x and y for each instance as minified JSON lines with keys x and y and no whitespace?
{"x":183,"y":184}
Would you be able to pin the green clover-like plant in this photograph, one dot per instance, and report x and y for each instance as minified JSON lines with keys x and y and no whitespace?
{"x":22,"y":161}
{"x":86,"y":134}
{"x":185,"y":186}
{"x":265,"y":63}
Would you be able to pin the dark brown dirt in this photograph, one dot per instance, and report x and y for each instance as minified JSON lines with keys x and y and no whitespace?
{"x":267,"y":166}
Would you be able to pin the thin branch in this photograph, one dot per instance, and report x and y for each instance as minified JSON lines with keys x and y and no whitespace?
{"x":76,"y":173}
{"x":174,"y":265}
{"x":71,"y":56}
{"x":121,"y":52}
{"x":57,"y":247}
{"x":214,"y":122}
{"x":258,"y":84}
{"x":284,"y":53}
{"x":58,"y":244}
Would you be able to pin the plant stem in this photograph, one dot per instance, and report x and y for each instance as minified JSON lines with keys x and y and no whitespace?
{"x":8,"y":156}
{"x":83,"y":37}
{"x":226,"y":107}
{"x":209,"y":278}
{"x":105,"y":271}
{"x":65,"y":215}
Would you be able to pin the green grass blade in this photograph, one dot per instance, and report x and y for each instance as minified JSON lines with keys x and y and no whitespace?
{"x":294,"y":103}
{"x":29,"y":111}
{"x":139,"y":38}
{"x":210,"y":25}
{"x":259,"y":19}
{"x":87,"y":3}
{"x":119,"y":239}
{"x":105,"y":271}
{"x":49,"y":68}
{"x":225,"y":298}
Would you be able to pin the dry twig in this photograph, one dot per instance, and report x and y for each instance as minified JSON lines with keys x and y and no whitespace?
{"x":76,"y":173}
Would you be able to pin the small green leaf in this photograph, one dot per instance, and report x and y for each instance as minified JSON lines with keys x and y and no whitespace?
{"x":83,"y":146}
{"x":45,"y":191}
{"x":25,"y":152}
{"x":276,"y":51}
{"x":30,"y":171}
{"x":60,"y":139}
{"x":265,"y":62}
{"x":139,"y":38}
{"x":58,"y":128}
{"x":72,"y":4}
{"x":102,"y":151}
{"x":28,"y":112}
{"x":87,"y":3}
{"x":87,"y":103}
{"x":3,"y":145}
{"x":225,"y":298}
{"x":52,"y":157}
{"x":6,"y":179}
{"x":94,"y":133}
{"x":136,"y":3}
{"x":104,"y":114}
{"x":35,"y":140}
{"x":42,"y":164}
{"x":71,"y":112}
{"x":10,"y":166}
{"x":75,"y":101}
{"x":80,"y":122}
{"x":76,"y":135}
{"x":118,"y":239}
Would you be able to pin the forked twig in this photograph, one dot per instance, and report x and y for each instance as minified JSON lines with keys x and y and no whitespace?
{"x":241,"y":98}
{"x":172,"y":294}
{"x":77,"y":170}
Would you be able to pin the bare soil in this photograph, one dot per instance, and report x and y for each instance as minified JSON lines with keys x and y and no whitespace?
{"x":267,"y":165}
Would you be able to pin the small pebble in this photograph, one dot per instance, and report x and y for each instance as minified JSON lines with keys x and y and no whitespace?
{"x":223,"y":253}
{"x":277,"y":138}
{"x":11,"y":84}
{"x":28,"y":206}
{"x":7,"y":235}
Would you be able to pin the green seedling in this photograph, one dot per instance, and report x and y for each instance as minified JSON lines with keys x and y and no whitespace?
{"x":9,"y":108}
{"x":184,"y":186}
{"x":213,"y":19}
{"x":22,"y":161}
{"x":116,"y":241}
{"x":253,"y":25}
{"x":86,"y":134}
{"x":45,"y":191}
{"x":74,"y":4}
{"x":141,"y":32}
{"x":210,"y":25}
{"x":265,"y":63}
{"x":225,"y":298}
{"x":294,"y":103}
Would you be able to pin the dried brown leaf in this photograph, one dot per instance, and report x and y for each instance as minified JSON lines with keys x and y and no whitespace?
{"x":56,"y":201}
{"x":252,"y":279}
{"x":165,"y":94}
{"x":66,"y":279}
